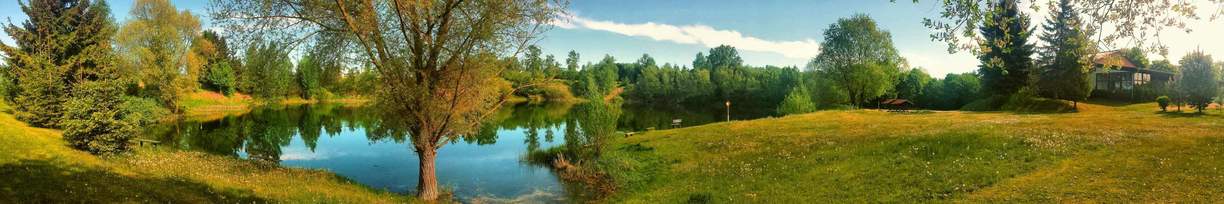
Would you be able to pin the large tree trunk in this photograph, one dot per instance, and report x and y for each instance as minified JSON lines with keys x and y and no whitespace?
{"x":427,"y":185}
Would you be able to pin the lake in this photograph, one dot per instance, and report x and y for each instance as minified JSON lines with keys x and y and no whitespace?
{"x":483,"y":167}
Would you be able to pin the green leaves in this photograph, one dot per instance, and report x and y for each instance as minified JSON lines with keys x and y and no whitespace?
{"x":1198,"y":80}
{"x":859,"y":57}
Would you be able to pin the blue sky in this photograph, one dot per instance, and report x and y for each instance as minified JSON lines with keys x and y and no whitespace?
{"x":767,"y":32}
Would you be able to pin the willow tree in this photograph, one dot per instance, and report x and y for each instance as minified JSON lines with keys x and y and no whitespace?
{"x":436,"y":60}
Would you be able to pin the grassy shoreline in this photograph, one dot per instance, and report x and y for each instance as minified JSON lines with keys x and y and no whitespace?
{"x":1104,"y":153}
{"x":36,"y":165}
{"x":208,"y":105}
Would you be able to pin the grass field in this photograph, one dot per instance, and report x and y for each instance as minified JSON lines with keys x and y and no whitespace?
{"x":37,"y":166}
{"x":1104,"y":153}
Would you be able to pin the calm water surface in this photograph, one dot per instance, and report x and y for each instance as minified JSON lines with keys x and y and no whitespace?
{"x":485,"y":167}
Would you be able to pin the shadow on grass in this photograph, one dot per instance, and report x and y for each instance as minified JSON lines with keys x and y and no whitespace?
{"x":1109,"y":102}
{"x":35,"y":181}
{"x":1185,"y":114}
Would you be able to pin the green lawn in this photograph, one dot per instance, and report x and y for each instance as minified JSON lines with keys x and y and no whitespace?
{"x":37,"y":166}
{"x":1105,"y":153}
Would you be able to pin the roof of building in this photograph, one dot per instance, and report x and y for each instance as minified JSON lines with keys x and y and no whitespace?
{"x":895,"y":102}
{"x":1113,"y":58}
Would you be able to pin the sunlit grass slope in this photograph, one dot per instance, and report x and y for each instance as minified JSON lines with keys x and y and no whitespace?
{"x":36,"y":166}
{"x":1105,"y":153}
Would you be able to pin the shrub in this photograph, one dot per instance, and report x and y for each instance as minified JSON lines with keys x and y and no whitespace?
{"x":1163,"y":101}
{"x":556,"y":91}
{"x":221,"y":78}
{"x":94,"y":120}
{"x":1026,"y":100}
{"x":143,"y":111}
{"x":798,"y":101}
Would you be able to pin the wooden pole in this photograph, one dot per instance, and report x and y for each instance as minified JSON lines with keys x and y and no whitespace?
{"x":728,"y":111}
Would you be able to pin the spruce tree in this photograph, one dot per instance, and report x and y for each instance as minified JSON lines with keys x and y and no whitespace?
{"x":58,"y":41}
{"x":1005,"y":50}
{"x":1065,"y":69}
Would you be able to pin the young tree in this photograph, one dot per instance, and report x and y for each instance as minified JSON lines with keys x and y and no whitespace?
{"x":308,"y":75}
{"x":218,"y":72}
{"x":157,"y":43}
{"x":859,"y":57}
{"x":435,"y":60}
{"x":1134,"y":54}
{"x":269,"y":70}
{"x":1006,"y":53}
{"x":1198,"y":81}
{"x":798,"y":101}
{"x":1066,"y":65}
{"x":221,"y":77}
{"x":571,"y":62}
{"x":53,"y":47}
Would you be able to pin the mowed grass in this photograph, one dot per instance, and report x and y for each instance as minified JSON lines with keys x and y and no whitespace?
{"x":37,"y":166}
{"x":1104,"y":153}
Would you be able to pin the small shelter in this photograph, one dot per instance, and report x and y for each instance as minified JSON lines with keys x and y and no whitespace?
{"x":896,"y":105}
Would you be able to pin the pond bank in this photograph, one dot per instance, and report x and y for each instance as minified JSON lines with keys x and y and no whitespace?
{"x":209,"y":105}
{"x":37,"y":166}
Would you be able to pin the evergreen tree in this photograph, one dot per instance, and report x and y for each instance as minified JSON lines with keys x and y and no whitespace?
{"x":218,"y":72}
{"x":308,"y":71}
{"x":1066,"y":65}
{"x":268,"y":71}
{"x":53,"y":47}
{"x":1006,"y":53}
{"x":571,"y":62}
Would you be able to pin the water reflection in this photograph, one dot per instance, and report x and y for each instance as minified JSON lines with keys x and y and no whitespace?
{"x":488,"y":165}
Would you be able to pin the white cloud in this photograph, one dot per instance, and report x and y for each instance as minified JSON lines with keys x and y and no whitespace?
{"x":697,"y":35}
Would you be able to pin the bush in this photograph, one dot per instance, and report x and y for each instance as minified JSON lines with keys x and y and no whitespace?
{"x":798,"y":101}
{"x":556,"y":91}
{"x":1163,"y":101}
{"x":95,"y":121}
{"x":1026,"y":101}
{"x":221,"y":78}
{"x":143,"y":111}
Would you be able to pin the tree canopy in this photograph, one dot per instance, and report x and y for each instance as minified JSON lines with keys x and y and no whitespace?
{"x":859,"y":57}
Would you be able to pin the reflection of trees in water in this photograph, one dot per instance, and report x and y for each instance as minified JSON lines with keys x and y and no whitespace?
{"x":530,"y":117}
{"x":262,"y":132}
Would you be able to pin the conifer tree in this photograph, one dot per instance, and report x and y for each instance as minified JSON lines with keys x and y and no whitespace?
{"x":1066,"y":65}
{"x":1006,"y":53}
{"x":52,"y":47}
